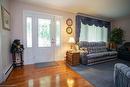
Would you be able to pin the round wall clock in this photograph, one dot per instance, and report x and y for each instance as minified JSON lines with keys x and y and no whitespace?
{"x":69,"y":30}
{"x":69,"y":22}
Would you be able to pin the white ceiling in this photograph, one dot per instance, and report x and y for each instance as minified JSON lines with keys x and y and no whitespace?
{"x":104,"y":8}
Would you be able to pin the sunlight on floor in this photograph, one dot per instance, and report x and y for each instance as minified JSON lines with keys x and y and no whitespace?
{"x":30,"y":83}
{"x":70,"y":82}
{"x":46,"y":81}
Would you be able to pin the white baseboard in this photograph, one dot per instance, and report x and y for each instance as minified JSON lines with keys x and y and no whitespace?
{"x":7,"y":72}
{"x":59,"y":59}
{"x":1,"y":77}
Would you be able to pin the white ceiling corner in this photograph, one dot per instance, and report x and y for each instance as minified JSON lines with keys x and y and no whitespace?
{"x":105,"y":8}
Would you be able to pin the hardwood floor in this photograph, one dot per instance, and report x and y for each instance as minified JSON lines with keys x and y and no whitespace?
{"x":57,"y":76}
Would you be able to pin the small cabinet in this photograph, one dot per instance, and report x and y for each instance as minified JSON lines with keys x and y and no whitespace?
{"x":72,"y":58}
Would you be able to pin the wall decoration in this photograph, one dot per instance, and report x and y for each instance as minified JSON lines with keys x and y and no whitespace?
{"x":69,"y":30}
{"x":69,"y":22}
{"x":5,"y":18}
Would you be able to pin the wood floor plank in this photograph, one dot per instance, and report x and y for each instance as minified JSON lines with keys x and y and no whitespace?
{"x":56,"y":76}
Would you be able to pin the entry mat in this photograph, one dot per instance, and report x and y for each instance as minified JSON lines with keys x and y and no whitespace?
{"x":46,"y":64}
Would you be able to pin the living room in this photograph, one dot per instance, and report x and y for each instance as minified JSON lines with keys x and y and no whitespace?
{"x":79,"y":46}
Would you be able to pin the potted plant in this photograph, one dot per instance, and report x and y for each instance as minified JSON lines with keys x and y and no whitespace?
{"x":116,"y":37}
{"x":17,"y":48}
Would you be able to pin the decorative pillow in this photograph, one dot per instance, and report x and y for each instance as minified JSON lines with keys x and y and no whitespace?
{"x":92,"y":50}
{"x":84,"y":49}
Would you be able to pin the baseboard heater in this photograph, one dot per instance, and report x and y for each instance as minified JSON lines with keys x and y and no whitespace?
{"x":7,"y":73}
{"x":9,"y":69}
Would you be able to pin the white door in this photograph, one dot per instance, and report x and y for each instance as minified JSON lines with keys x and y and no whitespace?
{"x":44,"y":37}
{"x":39,"y":38}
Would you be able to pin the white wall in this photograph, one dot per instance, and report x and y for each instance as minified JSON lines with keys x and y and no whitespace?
{"x":1,"y":68}
{"x":5,"y":60}
{"x":123,"y":23}
{"x":17,"y":9}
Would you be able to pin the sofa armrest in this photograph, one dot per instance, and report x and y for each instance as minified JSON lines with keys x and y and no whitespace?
{"x":83,"y":57}
{"x":121,"y":75}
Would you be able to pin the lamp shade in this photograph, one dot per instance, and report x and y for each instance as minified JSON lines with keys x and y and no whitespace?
{"x":71,"y":40}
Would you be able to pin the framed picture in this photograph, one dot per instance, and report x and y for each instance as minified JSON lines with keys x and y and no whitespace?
{"x":69,"y":22}
{"x":5,"y":18}
{"x":69,"y":30}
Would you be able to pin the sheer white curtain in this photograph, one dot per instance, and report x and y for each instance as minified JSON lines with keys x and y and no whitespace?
{"x":93,"y":33}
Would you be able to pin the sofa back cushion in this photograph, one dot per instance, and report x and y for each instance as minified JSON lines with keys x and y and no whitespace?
{"x":93,"y":47}
{"x":91,"y":44}
{"x":96,"y":49}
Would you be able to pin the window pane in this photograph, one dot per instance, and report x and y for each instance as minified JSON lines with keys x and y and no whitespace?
{"x":93,"y":33}
{"x":84,"y":32}
{"x":98,"y":34}
{"x":29,"y":31}
{"x":58,"y":33}
{"x":105,"y":34}
{"x":44,"y":38}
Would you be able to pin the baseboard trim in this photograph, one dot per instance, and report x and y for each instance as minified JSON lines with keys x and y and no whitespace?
{"x":1,"y":77}
{"x":8,"y":69}
{"x":7,"y":73}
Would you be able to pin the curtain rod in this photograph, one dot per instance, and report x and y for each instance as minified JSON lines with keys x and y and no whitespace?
{"x":104,"y":19}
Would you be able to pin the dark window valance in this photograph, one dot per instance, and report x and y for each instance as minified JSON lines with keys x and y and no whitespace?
{"x":89,"y":21}
{"x":92,"y":21}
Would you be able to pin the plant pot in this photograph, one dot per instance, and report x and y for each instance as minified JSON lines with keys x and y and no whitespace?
{"x":113,"y":45}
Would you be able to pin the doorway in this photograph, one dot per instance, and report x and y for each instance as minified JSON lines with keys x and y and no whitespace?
{"x":41,"y":37}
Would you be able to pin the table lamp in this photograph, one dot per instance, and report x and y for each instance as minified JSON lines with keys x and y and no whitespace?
{"x":71,"y":41}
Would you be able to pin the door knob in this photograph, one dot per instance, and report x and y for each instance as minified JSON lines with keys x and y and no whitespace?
{"x":52,"y":41}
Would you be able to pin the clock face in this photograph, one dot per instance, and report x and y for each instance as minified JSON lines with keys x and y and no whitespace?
{"x":69,"y":30}
{"x":69,"y":22}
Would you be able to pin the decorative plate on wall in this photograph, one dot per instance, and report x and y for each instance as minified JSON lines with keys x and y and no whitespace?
{"x":69,"y":30}
{"x":69,"y":22}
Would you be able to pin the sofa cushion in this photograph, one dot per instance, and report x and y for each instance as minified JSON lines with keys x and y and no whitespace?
{"x":91,"y":44}
{"x":126,"y":72}
{"x":84,"y":49}
{"x":111,"y":53}
{"x":97,"y":55}
{"x":96,"y":49}
{"x":101,"y":54}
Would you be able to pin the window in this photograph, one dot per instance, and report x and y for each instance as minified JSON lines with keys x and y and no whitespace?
{"x":93,"y":33}
{"x":58,"y":26}
{"x":44,"y":38}
{"x":29,"y":31}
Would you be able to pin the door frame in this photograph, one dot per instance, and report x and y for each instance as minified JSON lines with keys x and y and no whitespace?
{"x":25,"y":12}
